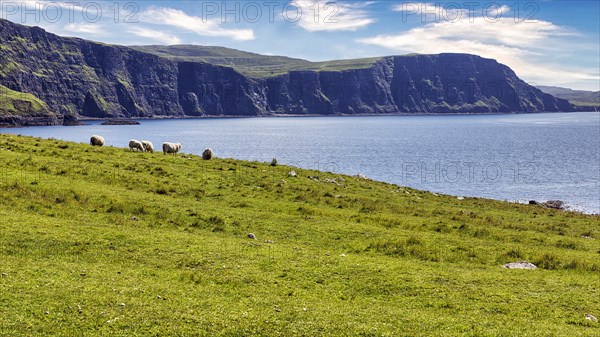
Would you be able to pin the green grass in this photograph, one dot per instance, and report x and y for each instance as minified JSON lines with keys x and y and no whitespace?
{"x":577,"y":97}
{"x":101,"y":241}
{"x":17,"y":103}
{"x":590,"y":104}
{"x":251,"y":64}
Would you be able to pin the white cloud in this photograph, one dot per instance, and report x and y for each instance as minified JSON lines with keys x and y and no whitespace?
{"x":530,"y":48}
{"x":179,"y":19}
{"x":321,"y":15}
{"x":155,"y":35}
{"x":85,"y":28}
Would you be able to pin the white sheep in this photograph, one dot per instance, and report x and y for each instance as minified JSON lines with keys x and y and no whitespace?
{"x":97,"y":140}
{"x":148,"y":146}
{"x":136,"y":145}
{"x":171,"y":147}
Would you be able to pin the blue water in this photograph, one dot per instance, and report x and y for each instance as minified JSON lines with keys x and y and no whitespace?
{"x":506,"y":157}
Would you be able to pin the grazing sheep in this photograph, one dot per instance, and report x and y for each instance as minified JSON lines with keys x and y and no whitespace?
{"x":148,"y":146}
{"x":97,"y":140}
{"x":171,"y":147}
{"x":136,"y":145}
{"x":207,"y":154}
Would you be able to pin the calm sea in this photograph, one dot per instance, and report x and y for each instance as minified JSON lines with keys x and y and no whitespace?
{"x":506,"y":157}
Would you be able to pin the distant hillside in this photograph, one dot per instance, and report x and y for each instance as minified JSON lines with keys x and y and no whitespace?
{"x":78,"y":77}
{"x":250,"y":64}
{"x":577,"y":97}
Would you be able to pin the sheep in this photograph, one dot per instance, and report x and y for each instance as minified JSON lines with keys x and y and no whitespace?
{"x":97,"y":140}
{"x":171,"y":147}
{"x":148,"y":146}
{"x":207,"y":154}
{"x":136,"y":145}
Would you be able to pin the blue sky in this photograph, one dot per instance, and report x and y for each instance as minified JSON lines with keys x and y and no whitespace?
{"x":545,"y":42}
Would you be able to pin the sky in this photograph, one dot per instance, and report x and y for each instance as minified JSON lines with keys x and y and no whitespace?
{"x":546,"y":42}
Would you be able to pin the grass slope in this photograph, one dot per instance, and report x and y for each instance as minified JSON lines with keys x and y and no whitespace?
{"x":17,"y":103}
{"x":577,"y":97}
{"x":101,"y":241}
{"x":250,"y":64}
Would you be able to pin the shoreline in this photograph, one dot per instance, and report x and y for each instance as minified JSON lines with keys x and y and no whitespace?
{"x":568,"y":207}
{"x":35,"y":121}
{"x":158,"y":118}
{"x":83,"y":119}
{"x":522,"y":198}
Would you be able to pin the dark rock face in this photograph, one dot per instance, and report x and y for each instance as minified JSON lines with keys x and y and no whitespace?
{"x":78,"y":77}
{"x":445,"y":83}
{"x":86,"y":78}
{"x":206,"y":89}
{"x":17,"y":121}
{"x":71,"y":120}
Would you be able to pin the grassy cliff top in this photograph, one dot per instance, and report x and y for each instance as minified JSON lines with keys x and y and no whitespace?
{"x":577,"y":97}
{"x":102,"y":241}
{"x":251,"y":64}
{"x":18,"y":103}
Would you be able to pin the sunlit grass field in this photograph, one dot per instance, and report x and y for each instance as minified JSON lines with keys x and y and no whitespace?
{"x":103,"y":241}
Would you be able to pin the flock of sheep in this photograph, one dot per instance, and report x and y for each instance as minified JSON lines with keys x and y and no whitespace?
{"x":146,"y":146}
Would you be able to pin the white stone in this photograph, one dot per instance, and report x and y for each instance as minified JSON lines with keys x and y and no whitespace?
{"x":520,"y":265}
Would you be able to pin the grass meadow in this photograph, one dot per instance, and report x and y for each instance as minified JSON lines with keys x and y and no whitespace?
{"x":103,"y":241}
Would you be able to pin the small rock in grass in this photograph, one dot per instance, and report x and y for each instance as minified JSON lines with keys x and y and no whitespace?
{"x":554,"y":204}
{"x":591,"y":317}
{"x":292,"y":174}
{"x":334,"y":181}
{"x":4,"y":274}
{"x":460,"y":198}
{"x":251,"y":236}
{"x":268,"y":241}
{"x":122,"y":304}
{"x":361,"y":176}
{"x":133,"y":218}
{"x":520,"y":265}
